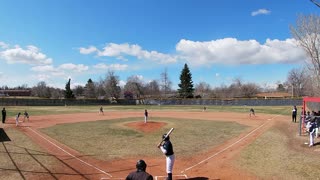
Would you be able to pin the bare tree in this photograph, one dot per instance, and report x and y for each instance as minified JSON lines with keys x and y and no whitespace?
{"x":297,"y":81}
{"x":307,"y":33}
{"x":135,"y":86}
{"x":112,"y":87}
{"x":165,"y":82}
{"x":41,"y":90}
{"x":78,"y":90}
{"x":249,"y":90}
{"x":153,"y":88}
{"x":203,"y":89}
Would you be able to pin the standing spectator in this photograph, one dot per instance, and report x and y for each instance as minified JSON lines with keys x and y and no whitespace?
{"x":4,"y":114}
{"x":294,"y":114}
{"x":167,"y":149}
{"x":141,"y":173}
{"x":17,"y":118}
{"x":145,"y":116}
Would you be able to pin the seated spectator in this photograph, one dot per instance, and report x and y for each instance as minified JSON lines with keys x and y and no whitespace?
{"x":141,"y":173}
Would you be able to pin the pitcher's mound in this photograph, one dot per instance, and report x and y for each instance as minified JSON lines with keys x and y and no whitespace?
{"x":146,"y":127}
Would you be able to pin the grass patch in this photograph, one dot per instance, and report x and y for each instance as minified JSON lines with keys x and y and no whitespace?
{"x":46,"y":110}
{"x":112,"y":139}
{"x":269,"y":157}
{"x":23,"y":152}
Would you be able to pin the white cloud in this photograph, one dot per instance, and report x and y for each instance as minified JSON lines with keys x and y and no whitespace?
{"x":233,"y":51}
{"x":43,"y":77}
{"x":116,"y":67}
{"x":121,"y":50}
{"x":47,"y":68}
{"x":89,"y":50}
{"x":260,"y":11}
{"x":122,"y":83}
{"x":74,"y":67}
{"x":3,"y":45}
{"x":30,"y":55}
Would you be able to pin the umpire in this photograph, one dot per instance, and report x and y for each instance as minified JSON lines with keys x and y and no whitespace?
{"x":141,"y":173}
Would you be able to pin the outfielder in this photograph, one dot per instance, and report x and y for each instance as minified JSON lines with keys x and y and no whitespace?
{"x":167,"y":149}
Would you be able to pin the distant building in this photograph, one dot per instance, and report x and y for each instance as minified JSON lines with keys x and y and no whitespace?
{"x":268,"y":95}
{"x":13,"y":92}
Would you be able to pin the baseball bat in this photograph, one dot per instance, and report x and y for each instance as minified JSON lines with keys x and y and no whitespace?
{"x":169,"y":132}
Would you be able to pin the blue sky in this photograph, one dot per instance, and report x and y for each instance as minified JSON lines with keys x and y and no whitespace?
{"x":52,"y":41}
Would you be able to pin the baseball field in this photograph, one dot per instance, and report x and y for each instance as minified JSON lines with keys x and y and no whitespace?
{"x":223,"y":142}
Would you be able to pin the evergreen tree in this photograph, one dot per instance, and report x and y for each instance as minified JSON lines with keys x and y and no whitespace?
{"x":186,"y":84}
{"x":68,"y":94}
{"x":89,"y":91}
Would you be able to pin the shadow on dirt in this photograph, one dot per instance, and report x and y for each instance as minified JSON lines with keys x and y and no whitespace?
{"x":3,"y":136}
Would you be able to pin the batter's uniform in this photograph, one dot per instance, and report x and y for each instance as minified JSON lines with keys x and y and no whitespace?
{"x":167,"y":149}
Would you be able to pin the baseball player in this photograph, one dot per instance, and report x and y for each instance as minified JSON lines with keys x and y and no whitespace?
{"x":312,"y":129}
{"x":101,"y":110}
{"x":145,"y":116}
{"x":26,"y":115}
{"x":167,"y":149}
{"x":17,"y":119}
{"x":252,"y":112}
{"x":141,"y":173}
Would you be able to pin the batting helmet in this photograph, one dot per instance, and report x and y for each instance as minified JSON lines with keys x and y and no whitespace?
{"x":165,"y":138}
{"x":141,"y":165}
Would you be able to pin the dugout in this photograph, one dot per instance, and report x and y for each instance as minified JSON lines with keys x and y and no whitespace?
{"x":308,"y":104}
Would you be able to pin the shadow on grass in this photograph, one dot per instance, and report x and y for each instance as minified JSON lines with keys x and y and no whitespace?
{"x":3,"y":136}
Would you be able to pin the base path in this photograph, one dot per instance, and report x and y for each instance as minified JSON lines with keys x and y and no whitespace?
{"x":215,"y":164}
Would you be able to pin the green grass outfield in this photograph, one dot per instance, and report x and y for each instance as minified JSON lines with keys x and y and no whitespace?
{"x":45,"y":110}
{"x":112,"y":139}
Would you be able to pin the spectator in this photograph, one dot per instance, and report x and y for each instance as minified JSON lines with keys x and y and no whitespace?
{"x":294,"y":114}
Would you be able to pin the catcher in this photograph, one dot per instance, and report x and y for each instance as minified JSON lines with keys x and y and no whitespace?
{"x":141,"y":173}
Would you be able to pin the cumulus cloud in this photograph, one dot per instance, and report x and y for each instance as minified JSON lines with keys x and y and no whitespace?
{"x":74,"y":67}
{"x":233,"y":51}
{"x":260,"y":12}
{"x":121,"y":50}
{"x":3,"y":45}
{"x":89,"y":50}
{"x":30,"y":55}
{"x":116,"y":67}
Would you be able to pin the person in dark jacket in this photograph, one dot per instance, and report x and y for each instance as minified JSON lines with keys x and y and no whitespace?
{"x":4,"y":114}
{"x":140,"y":173}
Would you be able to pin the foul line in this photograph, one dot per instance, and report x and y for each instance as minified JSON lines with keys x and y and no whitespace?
{"x":229,"y":145}
{"x":70,"y":153}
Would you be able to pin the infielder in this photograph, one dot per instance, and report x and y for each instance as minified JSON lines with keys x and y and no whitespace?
{"x":17,"y":119}
{"x":167,"y":149}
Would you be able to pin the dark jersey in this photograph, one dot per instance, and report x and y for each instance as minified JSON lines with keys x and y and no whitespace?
{"x":139,"y":175}
{"x":168,"y":147}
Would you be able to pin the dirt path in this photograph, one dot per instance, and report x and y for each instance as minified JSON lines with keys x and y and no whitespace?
{"x":215,"y":164}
